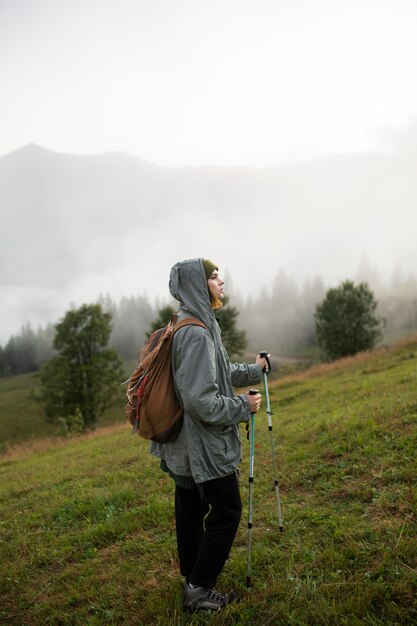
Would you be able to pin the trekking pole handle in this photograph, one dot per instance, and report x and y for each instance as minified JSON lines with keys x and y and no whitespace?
{"x":252,"y":392}
{"x":265,"y":355}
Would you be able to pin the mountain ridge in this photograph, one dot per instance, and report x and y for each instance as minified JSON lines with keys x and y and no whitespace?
{"x":72,"y":227}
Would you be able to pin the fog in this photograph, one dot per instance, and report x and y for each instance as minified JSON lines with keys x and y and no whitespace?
{"x":265,"y":135}
{"x":190,"y":82}
{"x":74,"y":227}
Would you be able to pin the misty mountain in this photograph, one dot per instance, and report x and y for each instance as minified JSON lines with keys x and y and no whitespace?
{"x":59,"y":212}
{"x":74,"y":225}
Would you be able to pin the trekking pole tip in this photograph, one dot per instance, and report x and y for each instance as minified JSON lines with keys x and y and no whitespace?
{"x":248,"y":582}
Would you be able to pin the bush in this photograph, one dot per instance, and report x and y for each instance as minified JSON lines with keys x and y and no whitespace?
{"x":346,"y":320}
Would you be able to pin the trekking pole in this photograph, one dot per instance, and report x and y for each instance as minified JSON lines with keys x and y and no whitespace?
{"x":265,"y":371}
{"x":251,"y":437}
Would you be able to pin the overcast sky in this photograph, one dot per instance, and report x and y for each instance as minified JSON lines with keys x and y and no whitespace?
{"x":196,"y":82}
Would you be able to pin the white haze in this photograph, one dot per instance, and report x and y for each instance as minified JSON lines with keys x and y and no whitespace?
{"x":316,"y":100}
{"x":84,"y":226}
{"x":192,"y":82}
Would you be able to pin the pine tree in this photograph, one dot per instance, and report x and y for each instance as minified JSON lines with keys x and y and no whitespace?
{"x":234,"y":340}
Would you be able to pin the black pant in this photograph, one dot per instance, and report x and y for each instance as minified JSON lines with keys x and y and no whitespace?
{"x":207,"y":520}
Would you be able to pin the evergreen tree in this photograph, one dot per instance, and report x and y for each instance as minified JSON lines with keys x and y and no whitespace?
{"x":234,"y":340}
{"x":20,"y":352}
{"x":84,"y":375}
{"x":346,"y":320}
{"x":44,"y":344}
{"x":162,"y":319}
{"x":2,"y":362}
{"x":131,"y":321}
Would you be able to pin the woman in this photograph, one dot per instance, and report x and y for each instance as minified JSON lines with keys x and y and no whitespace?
{"x":203,"y":459}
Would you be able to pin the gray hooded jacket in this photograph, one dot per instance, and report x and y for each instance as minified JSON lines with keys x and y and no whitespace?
{"x":209,"y":444}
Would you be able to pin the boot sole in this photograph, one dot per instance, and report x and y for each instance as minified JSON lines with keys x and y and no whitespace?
{"x":192,"y":609}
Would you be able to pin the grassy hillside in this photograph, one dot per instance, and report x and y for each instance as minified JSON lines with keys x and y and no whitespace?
{"x":87,"y":530}
{"x":21,"y":415}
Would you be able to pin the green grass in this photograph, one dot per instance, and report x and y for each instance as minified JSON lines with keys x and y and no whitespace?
{"x":21,"y":415}
{"x":87,"y":532}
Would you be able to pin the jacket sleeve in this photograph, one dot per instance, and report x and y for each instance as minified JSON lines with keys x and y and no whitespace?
{"x":245,"y":374}
{"x":195,"y":379}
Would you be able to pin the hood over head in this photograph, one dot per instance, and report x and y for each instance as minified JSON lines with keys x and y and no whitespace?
{"x":188,"y":285}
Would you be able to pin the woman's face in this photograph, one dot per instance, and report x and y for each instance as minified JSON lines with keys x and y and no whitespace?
{"x":215,"y":285}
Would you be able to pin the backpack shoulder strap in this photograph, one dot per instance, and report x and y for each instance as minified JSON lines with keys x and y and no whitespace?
{"x":189,"y":321}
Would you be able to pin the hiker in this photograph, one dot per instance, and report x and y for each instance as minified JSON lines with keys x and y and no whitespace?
{"x":203,"y":459}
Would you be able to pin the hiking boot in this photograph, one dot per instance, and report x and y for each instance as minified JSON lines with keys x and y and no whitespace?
{"x":202,"y":599}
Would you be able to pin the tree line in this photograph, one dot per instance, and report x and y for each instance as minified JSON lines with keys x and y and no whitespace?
{"x":81,"y":378}
{"x":29,"y":349}
{"x":80,"y":382}
{"x":280,"y":320}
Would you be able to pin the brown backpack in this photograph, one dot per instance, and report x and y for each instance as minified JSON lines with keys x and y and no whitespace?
{"x":152,"y":407}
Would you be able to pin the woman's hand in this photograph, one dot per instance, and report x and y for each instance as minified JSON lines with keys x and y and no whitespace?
{"x":262,"y":362}
{"x":254,"y":402}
